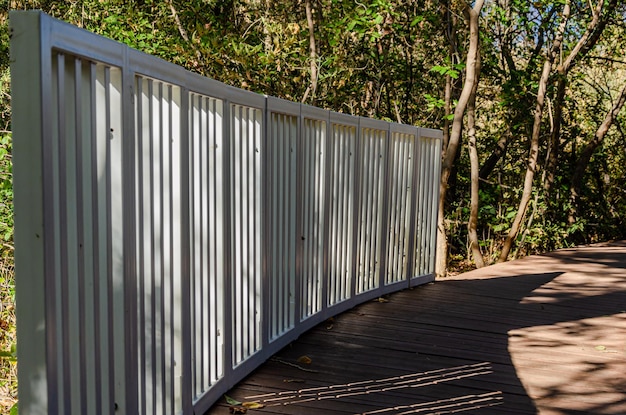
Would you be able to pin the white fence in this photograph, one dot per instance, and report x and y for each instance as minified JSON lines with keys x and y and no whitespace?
{"x":172,"y":233}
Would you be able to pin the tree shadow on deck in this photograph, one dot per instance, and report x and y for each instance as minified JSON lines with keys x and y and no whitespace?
{"x":502,"y":340}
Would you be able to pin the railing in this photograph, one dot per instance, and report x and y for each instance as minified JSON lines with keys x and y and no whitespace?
{"x":172,"y":233}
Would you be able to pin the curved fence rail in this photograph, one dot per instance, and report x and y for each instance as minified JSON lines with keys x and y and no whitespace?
{"x":172,"y":232}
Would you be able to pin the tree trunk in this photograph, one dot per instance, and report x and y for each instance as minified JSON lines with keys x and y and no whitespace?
{"x":472,"y":15}
{"x":586,"y":42}
{"x":494,"y":157}
{"x":312,"y":89}
{"x":183,"y":32}
{"x":534,"y":140}
{"x":555,"y":135}
{"x":532,"y":163}
{"x":585,"y":156}
{"x":474,"y":178}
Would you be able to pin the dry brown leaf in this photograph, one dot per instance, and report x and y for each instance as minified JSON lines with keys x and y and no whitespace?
{"x":305,"y":360}
{"x":237,"y":409}
{"x":382,"y":300}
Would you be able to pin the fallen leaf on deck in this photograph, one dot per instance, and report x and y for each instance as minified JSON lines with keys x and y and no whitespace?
{"x":600,"y":348}
{"x":253,"y":405}
{"x":305,"y":360}
{"x":382,"y":300}
{"x":237,"y":409}
{"x":231,"y":401}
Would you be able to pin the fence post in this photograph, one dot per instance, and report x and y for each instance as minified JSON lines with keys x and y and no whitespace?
{"x":29,"y":93}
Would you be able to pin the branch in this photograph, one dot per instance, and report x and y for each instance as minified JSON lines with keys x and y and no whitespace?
{"x":182,"y":30}
{"x":591,"y":35}
{"x":585,"y":156}
{"x":466,"y":92}
{"x":604,"y":58}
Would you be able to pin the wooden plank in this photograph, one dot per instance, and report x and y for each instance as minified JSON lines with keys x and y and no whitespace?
{"x":544,"y":334}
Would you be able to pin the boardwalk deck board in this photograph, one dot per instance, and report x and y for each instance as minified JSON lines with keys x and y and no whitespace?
{"x":541,"y":335}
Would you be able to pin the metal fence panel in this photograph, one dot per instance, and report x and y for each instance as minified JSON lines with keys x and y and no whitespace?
{"x":370,"y":215}
{"x":246,"y":229}
{"x":313,"y":185}
{"x":206,"y":164}
{"x":158,"y":210}
{"x":173,"y":232}
{"x":342,"y":196}
{"x":282,"y":146}
{"x":85,"y":213}
{"x":401,"y":192}
{"x":429,"y":171}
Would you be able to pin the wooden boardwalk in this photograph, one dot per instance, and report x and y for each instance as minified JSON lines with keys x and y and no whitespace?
{"x":541,"y":335}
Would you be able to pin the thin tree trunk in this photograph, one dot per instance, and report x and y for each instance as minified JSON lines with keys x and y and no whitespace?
{"x":532,"y":162}
{"x":449,"y":33}
{"x":555,"y":135}
{"x":474,"y":178}
{"x":312,"y":89}
{"x":472,"y":15}
{"x":494,"y":157}
{"x":590,"y":148}
{"x":447,"y":98}
{"x":534,"y":140}
{"x":582,"y":47}
{"x":442,"y":242}
{"x":182,"y":31}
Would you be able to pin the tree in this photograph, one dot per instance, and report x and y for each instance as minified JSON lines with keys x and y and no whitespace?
{"x":472,"y":15}
{"x":584,"y":44}
{"x":474,"y":173}
{"x":587,"y":152}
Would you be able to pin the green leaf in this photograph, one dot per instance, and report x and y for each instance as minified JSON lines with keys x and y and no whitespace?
{"x":445,"y":70}
{"x":440,"y":69}
{"x":231,"y":401}
{"x":14,"y":409}
{"x":453,"y":74}
{"x":417,"y":20}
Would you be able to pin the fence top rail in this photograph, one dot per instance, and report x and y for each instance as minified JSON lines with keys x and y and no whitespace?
{"x":67,"y":38}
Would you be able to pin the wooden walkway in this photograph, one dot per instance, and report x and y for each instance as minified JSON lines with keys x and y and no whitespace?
{"x":540,"y":335}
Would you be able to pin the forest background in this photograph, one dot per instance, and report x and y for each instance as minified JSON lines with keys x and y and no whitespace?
{"x":528,"y":93}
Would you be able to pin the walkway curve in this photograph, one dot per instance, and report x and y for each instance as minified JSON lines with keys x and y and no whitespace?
{"x":540,"y":335}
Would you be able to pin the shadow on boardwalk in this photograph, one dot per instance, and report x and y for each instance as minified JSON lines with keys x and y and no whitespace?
{"x":545,"y":334}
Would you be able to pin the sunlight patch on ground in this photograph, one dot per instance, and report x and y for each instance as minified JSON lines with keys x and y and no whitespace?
{"x":414,"y":380}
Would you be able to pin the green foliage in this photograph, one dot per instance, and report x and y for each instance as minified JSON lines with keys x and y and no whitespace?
{"x":8,"y":367}
{"x":453,"y":71}
{"x":6,"y":193}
